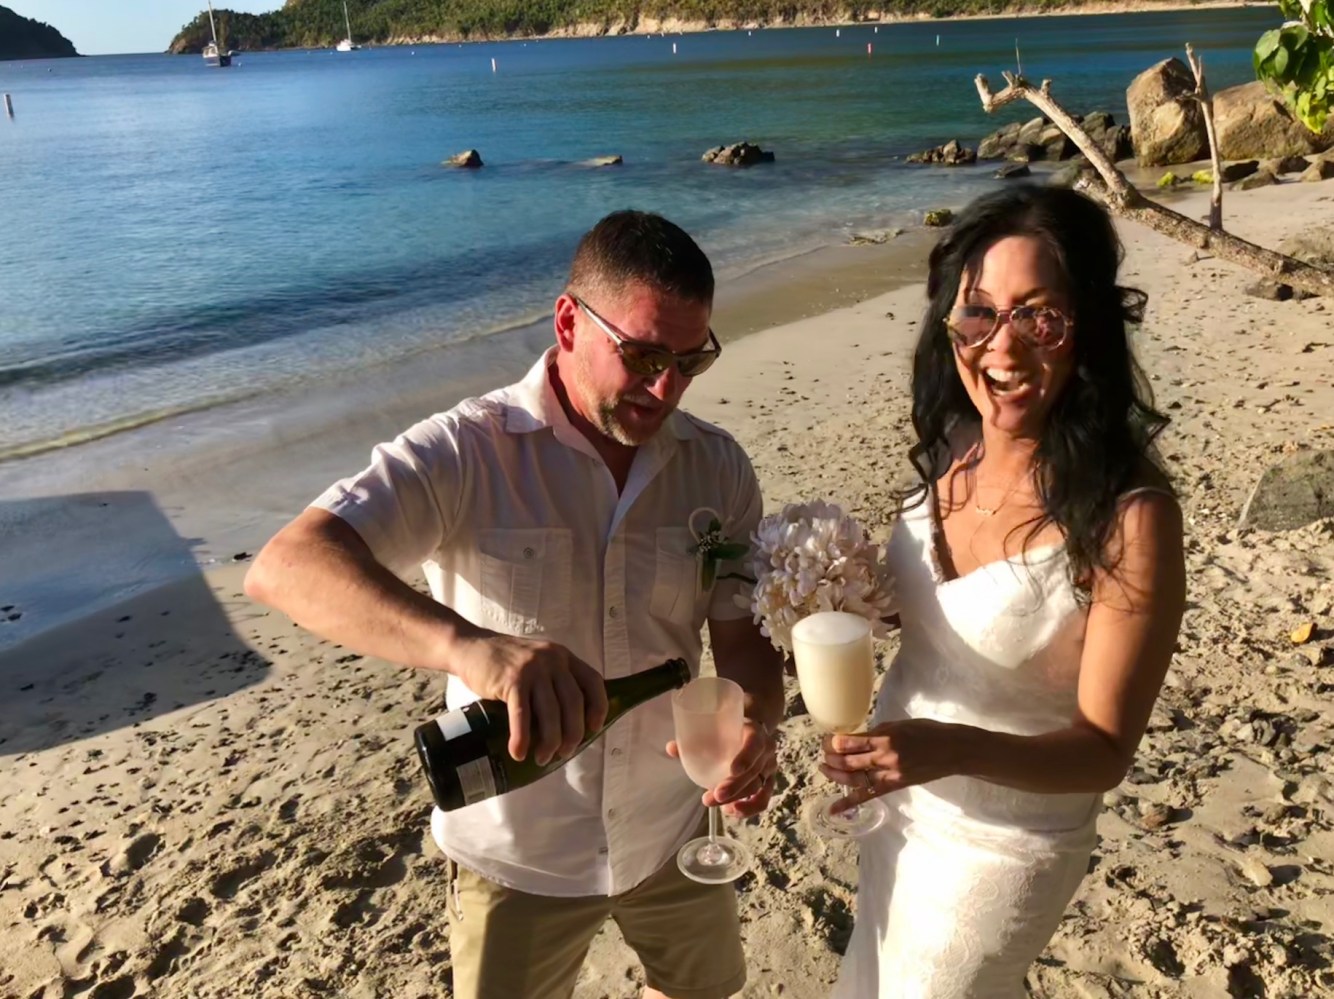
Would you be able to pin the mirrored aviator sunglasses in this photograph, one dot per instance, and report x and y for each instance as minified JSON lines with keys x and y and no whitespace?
{"x":648,"y":360}
{"x":641,"y":359}
{"x":1040,"y":327}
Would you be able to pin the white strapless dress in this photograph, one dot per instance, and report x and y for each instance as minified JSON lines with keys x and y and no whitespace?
{"x":964,"y":885}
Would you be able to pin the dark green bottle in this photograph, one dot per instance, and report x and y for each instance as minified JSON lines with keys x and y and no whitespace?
{"x":465,"y":752}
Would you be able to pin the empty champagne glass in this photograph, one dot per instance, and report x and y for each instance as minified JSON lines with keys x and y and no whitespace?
{"x":836,"y":672}
{"x":709,"y":717}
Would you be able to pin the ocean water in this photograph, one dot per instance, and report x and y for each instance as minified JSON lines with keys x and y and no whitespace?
{"x":173,"y":237}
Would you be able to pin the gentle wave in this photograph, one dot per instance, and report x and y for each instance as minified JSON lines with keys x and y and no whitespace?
{"x":84,"y":435}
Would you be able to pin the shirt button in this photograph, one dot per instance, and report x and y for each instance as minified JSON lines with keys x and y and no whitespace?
{"x":611,"y":813}
{"x":613,"y":612}
{"x":616,"y":751}
{"x":528,"y":553}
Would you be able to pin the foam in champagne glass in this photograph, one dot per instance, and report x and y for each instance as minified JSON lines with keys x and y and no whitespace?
{"x":835,"y":667}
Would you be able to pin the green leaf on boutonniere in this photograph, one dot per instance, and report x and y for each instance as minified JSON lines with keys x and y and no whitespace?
{"x":712,"y":549}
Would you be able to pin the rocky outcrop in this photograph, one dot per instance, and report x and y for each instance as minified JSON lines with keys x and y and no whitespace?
{"x":605,"y":161}
{"x":1254,"y":124}
{"x":1038,"y":139}
{"x":938,"y":217}
{"x":1287,"y":164}
{"x":1166,"y":123}
{"x":738,"y":154}
{"x":1293,"y":493}
{"x":1313,"y":247}
{"x":1260,"y":178}
{"x":950,"y":154}
{"x":469,"y":159}
{"x":1230,"y":173}
{"x":1321,"y":168}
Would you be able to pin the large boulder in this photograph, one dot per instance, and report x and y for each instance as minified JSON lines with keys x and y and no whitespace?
{"x":1293,"y":493}
{"x":1254,"y":124}
{"x":1166,"y":122}
{"x":738,"y":154}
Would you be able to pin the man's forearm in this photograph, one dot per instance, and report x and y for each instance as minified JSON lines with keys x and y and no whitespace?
{"x":326,"y":584}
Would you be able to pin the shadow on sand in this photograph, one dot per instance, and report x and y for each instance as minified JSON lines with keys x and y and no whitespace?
{"x":86,"y":646}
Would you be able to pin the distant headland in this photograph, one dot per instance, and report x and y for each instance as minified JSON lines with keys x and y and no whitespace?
{"x":24,"y":38}
{"x":320,"y":24}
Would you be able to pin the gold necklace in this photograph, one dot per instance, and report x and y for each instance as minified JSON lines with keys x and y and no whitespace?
{"x":987,"y":511}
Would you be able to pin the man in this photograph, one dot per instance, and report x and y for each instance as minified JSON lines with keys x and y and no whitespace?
{"x":554,"y":521}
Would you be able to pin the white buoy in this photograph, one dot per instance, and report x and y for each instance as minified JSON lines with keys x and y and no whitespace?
{"x":868,"y":48}
{"x":9,"y":105}
{"x":673,"y":48}
{"x":493,"y":65}
{"x":877,"y":31}
{"x":937,"y":39}
{"x":837,"y":32}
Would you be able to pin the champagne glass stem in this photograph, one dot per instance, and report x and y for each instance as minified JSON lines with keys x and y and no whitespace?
{"x":713,"y":824}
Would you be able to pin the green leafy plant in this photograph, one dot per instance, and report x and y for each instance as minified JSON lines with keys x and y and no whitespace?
{"x":1297,"y":60}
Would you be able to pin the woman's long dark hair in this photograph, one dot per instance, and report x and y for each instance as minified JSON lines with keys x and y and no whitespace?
{"x":1099,"y":432}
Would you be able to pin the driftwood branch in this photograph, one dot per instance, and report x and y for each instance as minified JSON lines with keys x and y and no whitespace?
{"x":1206,"y":103}
{"x":1122,"y":197}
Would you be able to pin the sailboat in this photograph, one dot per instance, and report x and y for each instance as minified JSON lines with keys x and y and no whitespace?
{"x":347,"y":45}
{"x":214,"y":56}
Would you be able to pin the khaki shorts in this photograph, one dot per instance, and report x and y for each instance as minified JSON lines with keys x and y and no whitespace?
{"x":507,"y":944}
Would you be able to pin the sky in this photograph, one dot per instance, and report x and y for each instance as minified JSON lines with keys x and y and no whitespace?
{"x":102,"y":27}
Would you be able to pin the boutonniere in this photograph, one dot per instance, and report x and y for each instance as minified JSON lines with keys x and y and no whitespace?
{"x":711,"y":548}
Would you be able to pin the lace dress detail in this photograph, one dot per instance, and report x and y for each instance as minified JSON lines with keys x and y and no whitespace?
{"x":963,"y":887}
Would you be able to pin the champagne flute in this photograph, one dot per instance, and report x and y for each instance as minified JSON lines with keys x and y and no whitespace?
{"x":836,"y":672}
{"x":708,"y":712}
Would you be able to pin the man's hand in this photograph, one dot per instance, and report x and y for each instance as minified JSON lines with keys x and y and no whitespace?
{"x":554,"y":698}
{"x":746,"y":791}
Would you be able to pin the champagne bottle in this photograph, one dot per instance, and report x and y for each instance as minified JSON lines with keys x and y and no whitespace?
{"x":465,"y":753}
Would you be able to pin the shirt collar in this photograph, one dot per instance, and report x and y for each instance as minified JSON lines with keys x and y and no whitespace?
{"x":531,"y":404}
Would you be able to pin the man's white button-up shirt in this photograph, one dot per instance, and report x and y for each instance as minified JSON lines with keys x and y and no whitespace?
{"x":520,"y":528}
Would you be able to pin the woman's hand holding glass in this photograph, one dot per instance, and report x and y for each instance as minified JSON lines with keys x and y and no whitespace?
{"x":836,"y":670}
{"x":889,"y":757}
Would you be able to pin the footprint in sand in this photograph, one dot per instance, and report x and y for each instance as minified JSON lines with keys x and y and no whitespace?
{"x":135,"y":854}
{"x":228,"y":883}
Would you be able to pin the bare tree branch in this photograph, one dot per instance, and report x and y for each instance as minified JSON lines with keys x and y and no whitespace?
{"x":1122,"y":197}
{"x":1207,"y":106}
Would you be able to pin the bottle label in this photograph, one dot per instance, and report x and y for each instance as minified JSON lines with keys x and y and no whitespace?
{"x":476,"y":780}
{"x":453,"y":724}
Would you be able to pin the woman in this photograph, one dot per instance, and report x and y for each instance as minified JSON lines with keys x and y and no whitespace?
{"x":1041,"y":584}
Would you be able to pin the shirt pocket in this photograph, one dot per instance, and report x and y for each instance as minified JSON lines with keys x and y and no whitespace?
{"x":525,"y":578}
{"x":676,"y":582}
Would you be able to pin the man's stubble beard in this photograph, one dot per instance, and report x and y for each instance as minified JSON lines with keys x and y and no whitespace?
{"x":607,"y":421}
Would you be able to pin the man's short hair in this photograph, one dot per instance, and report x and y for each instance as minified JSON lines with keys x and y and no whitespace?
{"x":629,"y":247}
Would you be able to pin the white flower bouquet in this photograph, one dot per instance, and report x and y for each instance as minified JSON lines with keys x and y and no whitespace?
{"x":814,"y":557}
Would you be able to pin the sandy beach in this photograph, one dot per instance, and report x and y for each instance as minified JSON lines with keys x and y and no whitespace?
{"x":204,"y":801}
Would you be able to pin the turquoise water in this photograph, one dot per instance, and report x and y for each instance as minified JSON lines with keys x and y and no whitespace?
{"x":174,"y":236}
